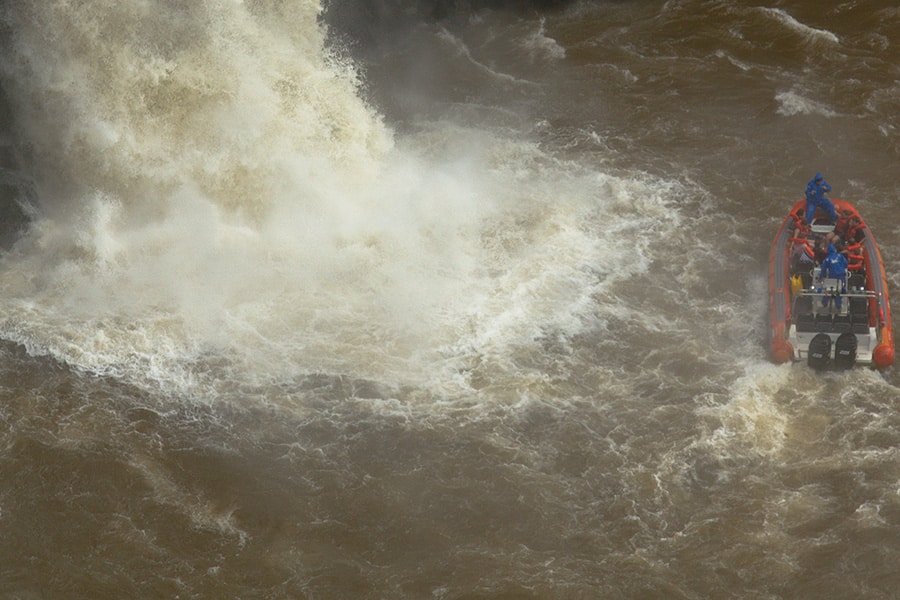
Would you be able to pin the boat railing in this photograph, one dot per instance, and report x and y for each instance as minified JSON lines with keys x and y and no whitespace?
{"x":827,"y":308}
{"x":835,"y":292}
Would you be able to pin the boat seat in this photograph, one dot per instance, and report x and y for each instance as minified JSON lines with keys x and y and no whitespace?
{"x":806,"y":322}
{"x":859,"y":324}
{"x":857,"y":280}
{"x":823,"y":322}
{"x":859,"y":306}
{"x":803,"y":304}
{"x":841,"y":324}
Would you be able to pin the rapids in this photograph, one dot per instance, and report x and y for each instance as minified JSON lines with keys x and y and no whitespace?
{"x":433,"y":300}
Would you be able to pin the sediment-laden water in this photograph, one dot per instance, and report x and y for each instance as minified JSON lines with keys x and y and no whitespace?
{"x":447,"y":300}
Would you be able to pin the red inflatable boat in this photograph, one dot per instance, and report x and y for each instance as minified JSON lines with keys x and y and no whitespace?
{"x":828,"y":323}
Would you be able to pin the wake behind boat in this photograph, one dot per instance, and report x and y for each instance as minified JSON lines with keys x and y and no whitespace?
{"x":828,"y":322}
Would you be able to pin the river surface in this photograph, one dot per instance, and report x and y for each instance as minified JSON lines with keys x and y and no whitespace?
{"x":435,"y":300}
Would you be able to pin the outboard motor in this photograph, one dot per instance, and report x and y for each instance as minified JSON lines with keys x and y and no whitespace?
{"x":819,"y":352}
{"x":845,"y":351}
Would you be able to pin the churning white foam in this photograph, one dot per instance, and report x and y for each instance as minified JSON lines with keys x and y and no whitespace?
{"x":220,"y":207}
{"x":809,"y":33}
{"x":791,"y":103}
{"x":540,"y":45}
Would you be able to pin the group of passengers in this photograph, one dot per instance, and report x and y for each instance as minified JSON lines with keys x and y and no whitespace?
{"x":836,"y":251}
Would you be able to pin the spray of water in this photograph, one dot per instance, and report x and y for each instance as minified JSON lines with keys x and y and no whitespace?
{"x":218,"y":204}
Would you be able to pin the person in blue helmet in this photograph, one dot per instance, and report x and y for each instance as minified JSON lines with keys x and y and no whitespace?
{"x":815,"y":198}
{"x":834,"y":267}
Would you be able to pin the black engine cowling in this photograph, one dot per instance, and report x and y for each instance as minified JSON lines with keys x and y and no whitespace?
{"x":819,"y":356}
{"x":845,"y":351}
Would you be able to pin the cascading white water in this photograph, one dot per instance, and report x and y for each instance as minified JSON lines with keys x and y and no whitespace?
{"x":214,"y":191}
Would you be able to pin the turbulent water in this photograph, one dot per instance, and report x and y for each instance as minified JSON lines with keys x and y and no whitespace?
{"x":434,"y":300}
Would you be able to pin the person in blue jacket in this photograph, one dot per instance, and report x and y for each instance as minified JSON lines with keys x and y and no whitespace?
{"x":815,"y":198}
{"x":834,"y":267}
